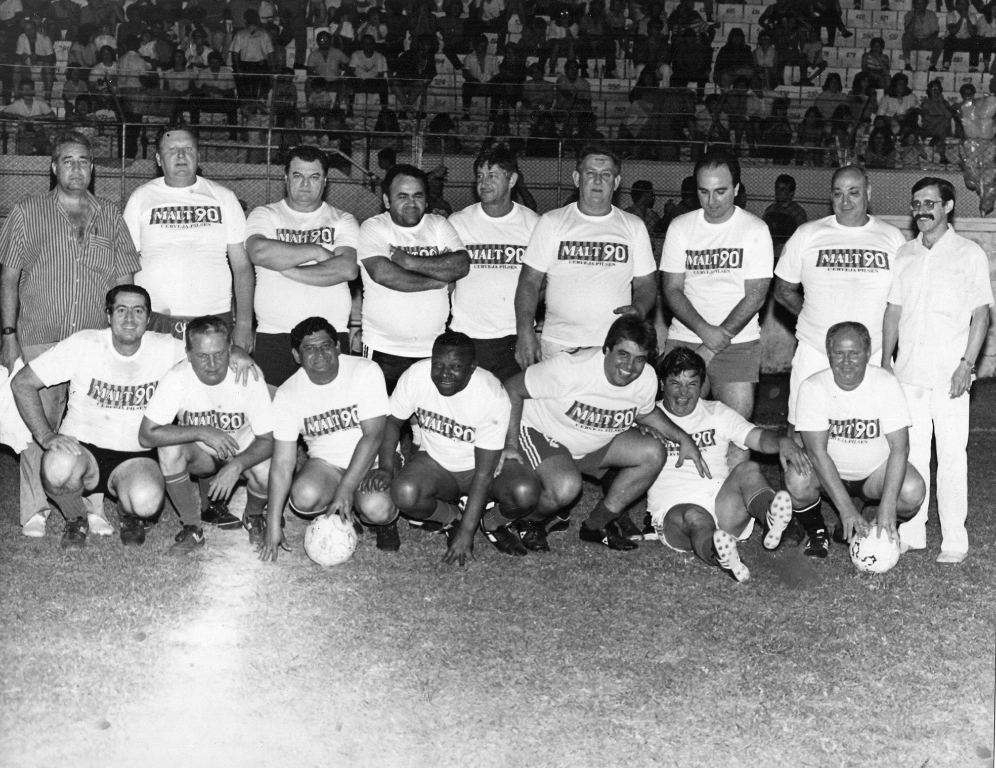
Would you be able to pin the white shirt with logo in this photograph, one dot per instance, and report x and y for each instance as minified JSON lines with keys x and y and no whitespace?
{"x":108,"y":392}
{"x":396,"y":322}
{"x":182,"y":235}
{"x":452,"y":427}
{"x":716,"y":260}
{"x":281,"y":303}
{"x":244,"y":412}
{"x":572,"y":402}
{"x":328,"y":416}
{"x":845,"y":272}
{"x":857,"y":421}
{"x":484,"y":300}
{"x":590,"y":263}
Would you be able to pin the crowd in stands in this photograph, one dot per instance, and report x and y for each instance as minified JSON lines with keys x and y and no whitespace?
{"x":539,"y":64}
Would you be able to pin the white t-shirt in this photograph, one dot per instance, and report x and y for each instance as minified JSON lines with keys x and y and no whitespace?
{"x":108,"y":392}
{"x":857,"y":421}
{"x":484,"y":300}
{"x":396,"y":322}
{"x":244,"y":412}
{"x":590,"y":263}
{"x":572,"y":401}
{"x":716,"y":260}
{"x":281,"y":303}
{"x":846,"y":273}
{"x":182,"y":235}
{"x":365,"y":67}
{"x":452,"y":427}
{"x":329,"y":415}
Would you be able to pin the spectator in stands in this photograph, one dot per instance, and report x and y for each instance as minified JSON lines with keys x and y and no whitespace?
{"x":560,"y":36}
{"x":252,"y":59}
{"x":74,"y":87}
{"x":488,"y":16}
{"x":899,"y":104}
{"x":688,"y":202}
{"x":132,"y":25}
{"x":784,"y":201}
{"x":595,"y":40}
{"x":921,"y":32}
{"x":509,"y":80}
{"x":414,"y":70}
{"x":811,"y":136}
{"x":103,"y":79}
{"x":328,"y":61}
{"x":374,"y":26}
{"x":83,"y":51}
{"x":480,"y":67}
{"x":180,"y":80}
{"x":842,"y":130}
{"x":544,"y":140}
{"x":132,"y":70}
{"x":538,"y":94}
{"x":863,"y":97}
{"x":573,"y":97}
{"x":827,"y":14}
{"x":881,"y":151}
{"x":284,"y":106}
{"x":106,"y":37}
{"x":735,"y":107}
{"x":831,"y":97}
{"x":215,"y":92}
{"x":515,"y":21}
{"x":672,"y":122}
{"x":643,"y":197}
{"x":962,"y":35}
{"x":691,"y":61}
{"x":26,"y":106}
{"x":82,"y":118}
{"x":642,"y":99}
{"x":368,"y":73}
{"x":876,"y":63}
{"x":34,"y":49}
{"x":652,"y":48}
{"x":711,"y":123}
{"x":812,"y":59}
{"x":685,"y":17}
{"x":616,"y":20}
{"x":321,"y":99}
{"x":735,"y":59}
{"x":197,"y":49}
{"x":766,"y":62}
{"x":452,"y":28}
{"x":986,"y":30}
{"x":935,"y":119}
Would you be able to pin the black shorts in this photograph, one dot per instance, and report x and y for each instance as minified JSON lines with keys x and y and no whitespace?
{"x":274,"y":357}
{"x":498,"y":356}
{"x":108,"y":460}
{"x":392,"y":365}
{"x":537,"y":447}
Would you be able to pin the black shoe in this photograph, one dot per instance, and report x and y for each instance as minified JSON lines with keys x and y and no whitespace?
{"x":218,"y":515}
{"x":838,"y":535}
{"x":794,"y":533}
{"x":818,"y":544}
{"x":628,"y":528}
{"x":256,"y":525}
{"x":533,"y":535}
{"x":388,"y":539}
{"x":558,"y":523}
{"x":506,"y":541}
{"x":74,"y":534}
{"x":132,"y":531}
{"x":189,"y":538}
{"x":610,"y":536}
{"x":649,"y":532}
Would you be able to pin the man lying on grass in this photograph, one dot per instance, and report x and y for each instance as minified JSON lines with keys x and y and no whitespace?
{"x":338,"y":404}
{"x":854,"y":422}
{"x":586,"y":412}
{"x":707,"y":515}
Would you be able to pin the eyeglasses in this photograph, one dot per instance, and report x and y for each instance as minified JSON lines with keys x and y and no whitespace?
{"x":926,"y":205}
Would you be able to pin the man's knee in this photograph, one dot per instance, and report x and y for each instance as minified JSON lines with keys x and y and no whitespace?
{"x":406,"y":492}
{"x":747,"y":471}
{"x":172,"y":459}
{"x":375,"y":507}
{"x":306,"y":495}
{"x":913,"y":493}
{"x":521,"y":492}
{"x":145,"y":499}
{"x":63,"y":472}
{"x":804,"y":489}
{"x":650,"y":454}
{"x":561,"y":487}
{"x":259,"y":476}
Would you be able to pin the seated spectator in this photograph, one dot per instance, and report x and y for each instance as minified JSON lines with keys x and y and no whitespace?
{"x":34,"y":49}
{"x":921,"y":32}
{"x":509,"y":81}
{"x":180,"y":81}
{"x":544,"y":140}
{"x":759,"y":104}
{"x":560,"y":37}
{"x":911,"y":151}
{"x":685,"y":17}
{"x":642,"y":195}
{"x":102,"y":81}
{"x":935,"y":119}
{"x":74,"y":87}
{"x":414,"y":70}
{"x":766,"y":62}
{"x":735,"y":106}
{"x":106,"y":37}
{"x":595,"y":40}
{"x":876,"y":64}
{"x":215,"y":92}
{"x":691,"y":58}
{"x":538,"y":94}
{"x":573,"y":97}
{"x":284,"y":104}
{"x":374,"y":27}
{"x":533,"y":41}
{"x":880,"y":152}
{"x":831,"y":97}
{"x":672,"y":122}
{"x":812,"y":58}
{"x":321,"y":99}
{"x":451,"y":26}
{"x":617,"y":22}
{"x":83,"y":119}
{"x":863,"y":97}
{"x":986,"y":30}
{"x":327,"y":61}
{"x":368,"y":74}
{"x":733,"y":60}
{"x":962,"y":35}
{"x":827,"y":14}
{"x":83,"y":51}
{"x":197,"y":50}
{"x":652,"y":48}
{"x":711,"y":123}
{"x":811,"y":136}
{"x":778,"y":12}
{"x":479,"y":68}
{"x":775,"y":137}
{"x":26,"y":106}
{"x":899,"y":104}
{"x":842,"y":131}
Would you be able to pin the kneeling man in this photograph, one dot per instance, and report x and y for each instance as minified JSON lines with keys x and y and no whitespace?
{"x":223,"y":430}
{"x":708,"y":515}
{"x":463,"y":414}
{"x":338,"y":404}
{"x":586,"y":412}
{"x":854,"y":422}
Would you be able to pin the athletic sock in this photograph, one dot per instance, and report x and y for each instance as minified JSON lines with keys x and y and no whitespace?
{"x":71,"y":505}
{"x":203,"y":485}
{"x":254,"y":504}
{"x":600,"y":517}
{"x":445,"y":512}
{"x":182,"y":492}
{"x":811,"y":518}
{"x":758,"y":505}
{"x":493,"y":519}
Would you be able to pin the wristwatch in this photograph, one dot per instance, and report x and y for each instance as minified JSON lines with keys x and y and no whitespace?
{"x":9,"y":330}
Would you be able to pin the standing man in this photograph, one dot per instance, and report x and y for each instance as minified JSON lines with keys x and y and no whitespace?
{"x":496,"y":232}
{"x":595,"y":260}
{"x":252,"y":59}
{"x":60,"y":253}
{"x":785,"y":203}
{"x":938,"y":314}
{"x":716,"y":269}
{"x":304,"y":251}
{"x":191,"y":235}
{"x":408,"y":258}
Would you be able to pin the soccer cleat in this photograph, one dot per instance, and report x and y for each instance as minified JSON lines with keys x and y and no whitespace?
{"x":610,"y":536}
{"x":818,"y":544}
{"x":649,"y":531}
{"x":777,"y":520}
{"x":132,"y":531}
{"x":189,"y":538}
{"x":99,"y":526}
{"x":35,"y":527}
{"x":533,"y":535}
{"x":256,"y":525}
{"x":218,"y":515}
{"x":728,"y":557}
{"x":505,"y":541}
{"x":74,"y":534}
{"x":388,"y":539}
{"x":558,"y":523}
{"x":628,"y":528}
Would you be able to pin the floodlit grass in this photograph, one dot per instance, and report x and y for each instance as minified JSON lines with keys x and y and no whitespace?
{"x":582,"y":657}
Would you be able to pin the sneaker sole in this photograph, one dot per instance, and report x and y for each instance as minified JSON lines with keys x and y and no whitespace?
{"x":779,"y":516}
{"x":729,"y":557}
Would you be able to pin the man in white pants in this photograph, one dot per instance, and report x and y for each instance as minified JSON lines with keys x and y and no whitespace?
{"x":938,"y":314}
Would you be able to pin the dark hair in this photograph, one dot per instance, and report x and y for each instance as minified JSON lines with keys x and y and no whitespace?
{"x":786,"y":178}
{"x":681,"y":360}
{"x":117,"y":290}
{"x":945,"y":187}
{"x":388,"y":153}
{"x":460,"y":342}
{"x":497,"y":155}
{"x":598,"y":149}
{"x":172,"y":126}
{"x":309,"y":326}
{"x":831,"y":78}
{"x":205,"y":325}
{"x":307,"y":153}
{"x":850,"y":325}
{"x":635,"y":329}
{"x":716,"y":158}
{"x":403,"y":169}
{"x":70,"y":137}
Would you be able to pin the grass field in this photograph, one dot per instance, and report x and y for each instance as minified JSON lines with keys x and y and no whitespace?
{"x":583,"y":657}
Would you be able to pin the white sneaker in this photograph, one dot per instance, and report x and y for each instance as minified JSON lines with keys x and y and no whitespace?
{"x":951,"y":558}
{"x":778,"y":518}
{"x":98,"y":525}
{"x":35,"y":527}
{"x":728,"y":556}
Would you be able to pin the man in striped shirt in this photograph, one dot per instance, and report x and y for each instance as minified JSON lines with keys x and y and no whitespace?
{"x":60,"y":252}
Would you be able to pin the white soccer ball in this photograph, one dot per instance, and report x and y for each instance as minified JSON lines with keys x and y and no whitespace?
{"x":874,"y":552}
{"x":330,"y":540}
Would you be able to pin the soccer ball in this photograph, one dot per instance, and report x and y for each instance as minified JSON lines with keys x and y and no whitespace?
{"x":875,"y":552}
{"x":330,"y":540}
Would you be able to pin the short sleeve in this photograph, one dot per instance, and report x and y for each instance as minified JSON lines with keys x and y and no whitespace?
{"x":735,"y":427}
{"x":672,"y":256}
{"x":810,"y":410}
{"x":371,"y":241}
{"x":540,"y":250}
{"x":126,"y":256}
{"x":260,"y":408}
{"x":447,"y":239}
{"x":164,"y":405}
{"x":980,"y":288}
{"x":789,"y":266}
{"x":13,"y":240}
{"x":643,"y":251}
{"x":762,"y":254}
{"x":57,"y":364}
{"x":236,"y":219}
{"x":373,"y":402}
{"x":260,"y":222}
{"x":549,"y":379}
{"x":892,"y":405}
{"x":347,"y":231}
{"x":895,"y":290}
{"x":131,"y":214}
{"x":491,"y":433}
{"x":401,"y":403}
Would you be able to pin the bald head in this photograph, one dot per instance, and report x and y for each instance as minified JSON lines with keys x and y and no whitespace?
{"x":850,"y":193}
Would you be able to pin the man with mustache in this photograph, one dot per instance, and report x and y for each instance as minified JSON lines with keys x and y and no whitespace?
{"x":938,"y":314}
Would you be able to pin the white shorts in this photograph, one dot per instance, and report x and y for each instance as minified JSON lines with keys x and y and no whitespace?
{"x":807,"y":361}
{"x":703,"y":492}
